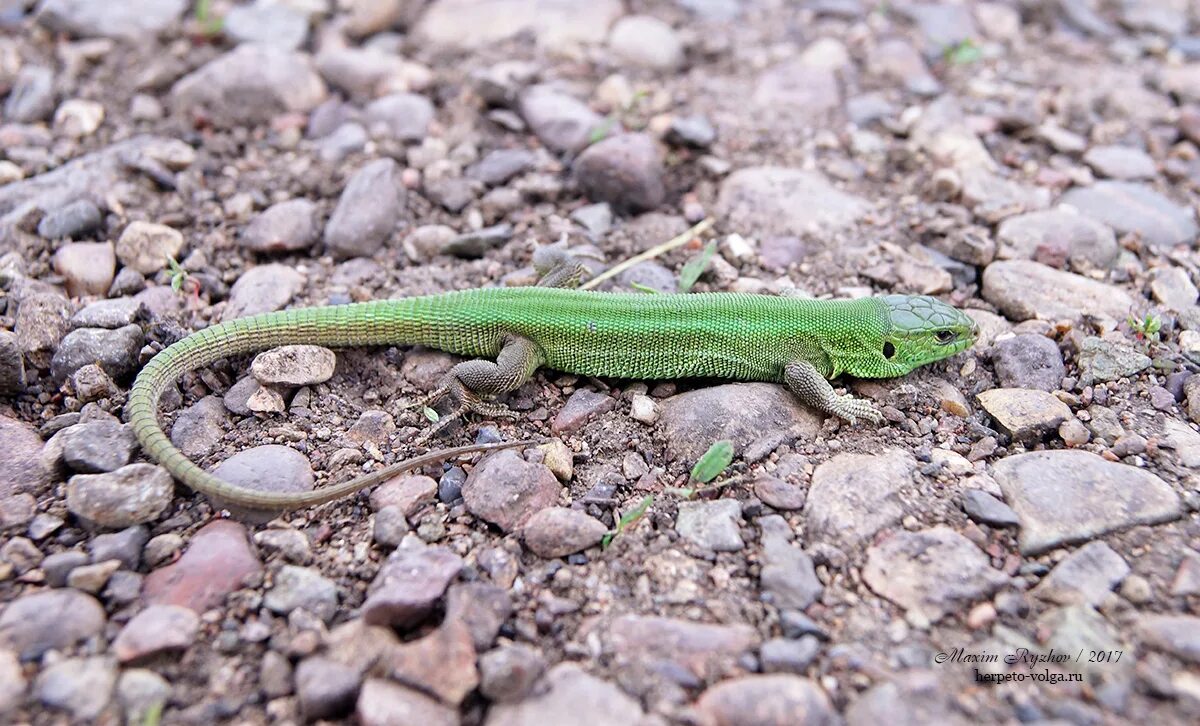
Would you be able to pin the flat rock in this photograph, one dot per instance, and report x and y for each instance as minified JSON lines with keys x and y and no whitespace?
{"x":571,"y":696}
{"x":287,"y":226}
{"x":81,"y":686}
{"x":132,"y":20}
{"x":766,"y":700}
{"x":294,"y":365}
{"x":1066,"y":496}
{"x":1086,"y":576}
{"x":132,"y":494}
{"x":251,"y":84}
{"x":272,"y":468}
{"x":579,"y":409}
{"x":508,"y":673}
{"x":506,"y":490}
{"x":1121,"y":162}
{"x":773,"y":201}
{"x":111,"y":314}
{"x":646,"y":42}
{"x":278,"y":25}
{"x":1178,"y":635}
{"x":1028,"y":361}
{"x":934,"y":571}
{"x":788,"y":576}
{"x":49,"y":620}
{"x":21,"y":467}
{"x":262,"y":289}
{"x":367,"y":211}
{"x":854,"y":496}
{"x":1024,"y":414}
{"x":409,"y":584}
{"x":913,"y":696}
{"x":199,"y":427}
{"x":218,"y":561}
{"x":384,"y":703}
{"x":96,"y":446}
{"x":560,"y":531}
{"x":983,"y":507}
{"x":701,"y":648}
{"x":87,"y":268}
{"x":796,"y":88}
{"x":1024,"y":290}
{"x":555,"y":24}
{"x":712,"y":525}
{"x":157,"y":629}
{"x":1138,"y":208}
{"x":147,"y":247}
{"x":409,"y":493}
{"x":115,"y":351}
{"x":302,"y":587}
{"x":562,"y":123}
{"x":1102,"y":360}
{"x":757,"y":417}
{"x":402,"y":116}
{"x":441,"y":663}
{"x":325,"y":688}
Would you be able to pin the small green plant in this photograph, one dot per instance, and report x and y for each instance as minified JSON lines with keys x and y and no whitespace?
{"x":626,"y":520}
{"x":643,"y":288}
{"x":695,"y":267}
{"x":1146,"y":328}
{"x":708,"y":467}
{"x":153,"y":714}
{"x":210,"y":24}
{"x":962,"y":53}
{"x":601,"y":130}
{"x":430,"y":414}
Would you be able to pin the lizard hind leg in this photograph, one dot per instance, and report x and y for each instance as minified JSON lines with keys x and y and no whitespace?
{"x":559,"y":267}
{"x":470,"y":382}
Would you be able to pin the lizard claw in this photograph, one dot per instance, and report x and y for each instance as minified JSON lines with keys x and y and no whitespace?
{"x":851,"y":409}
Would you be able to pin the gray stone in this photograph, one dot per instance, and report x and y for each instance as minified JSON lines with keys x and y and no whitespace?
{"x":854,"y":496}
{"x":326,"y":689}
{"x":1024,"y":414}
{"x":1178,"y":635}
{"x":385,"y":703}
{"x":70,"y":221}
{"x":141,"y":692}
{"x":647,"y":42}
{"x":933,"y":572}
{"x":559,"y":531}
{"x":199,"y":427}
{"x":783,"y":655}
{"x":409,"y":585}
{"x":12,"y":364}
{"x":1102,"y":360}
{"x":766,"y":699}
{"x":131,"y":20}
{"x":12,"y":682}
{"x":562,"y":123}
{"x":302,"y":587}
{"x":506,"y":490}
{"x":712,"y":525}
{"x":250,"y":84}
{"x":501,"y":165}
{"x":294,"y":365}
{"x":96,"y":446}
{"x":561,"y":25}
{"x":983,"y":507}
{"x":1173,"y":287}
{"x":124,"y":546}
{"x":788,"y":576}
{"x":349,"y":138}
{"x":133,"y":494}
{"x":270,"y":468}
{"x":757,"y":417}
{"x":367,"y":211}
{"x":157,"y":629}
{"x":1067,"y":496}
{"x":402,"y":116}
{"x":624,"y":170}
{"x":284,"y":227}
{"x":1121,"y":162}
{"x":32,"y":96}
{"x":508,"y":673}
{"x":112,"y":314}
{"x":797,"y":90}
{"x":1028,"y":361}
{"x":116,"y":351}
{"x":1133,"y":207}
{"x":778,"y":201}
{"x":1024,"y":290}
{"x":1086,"y":576}
{"x":477,"y":243}
{"x":262,"y":289}
{"x":81,"y":686}
{"x":49,"y":620}
{"x":695,"y":131}
{"x":268,"y":23}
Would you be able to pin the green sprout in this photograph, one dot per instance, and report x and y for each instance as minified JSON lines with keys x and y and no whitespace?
{"x":963,"y":53}
{"x":695,"y":267}
{"x":626,"y":520}
{"x":1146,"y":328}
{"x":708,"y":467}
{"x":178,"y":274}
{"x":210,"y":24}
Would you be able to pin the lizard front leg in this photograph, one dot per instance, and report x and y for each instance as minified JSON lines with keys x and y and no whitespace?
{"x":470,"y":380}
{"x":804,"y":380}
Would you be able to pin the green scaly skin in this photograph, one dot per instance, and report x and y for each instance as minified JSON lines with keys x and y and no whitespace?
{"x":799,"y":342}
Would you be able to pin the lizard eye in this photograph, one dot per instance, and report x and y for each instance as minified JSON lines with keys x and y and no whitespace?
{"x":945,"y":336}
{"x":889,"y":350}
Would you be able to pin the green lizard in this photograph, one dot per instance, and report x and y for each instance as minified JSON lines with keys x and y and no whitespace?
{"x":799,"y":342}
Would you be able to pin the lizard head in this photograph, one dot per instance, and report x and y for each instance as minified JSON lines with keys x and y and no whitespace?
{"x":921,"y":330}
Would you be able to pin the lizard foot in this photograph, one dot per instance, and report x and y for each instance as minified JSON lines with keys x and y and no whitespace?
{"x":466,"y":401}
{"x":851,"y":409}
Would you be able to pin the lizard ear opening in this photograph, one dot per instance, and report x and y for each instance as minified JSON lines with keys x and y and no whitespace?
{"x":889,"y":350}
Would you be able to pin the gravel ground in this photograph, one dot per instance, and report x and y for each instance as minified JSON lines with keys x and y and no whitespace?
{"x":1020,"y":542}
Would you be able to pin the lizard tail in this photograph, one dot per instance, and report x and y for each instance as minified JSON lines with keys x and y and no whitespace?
{"x":334,"y":326}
